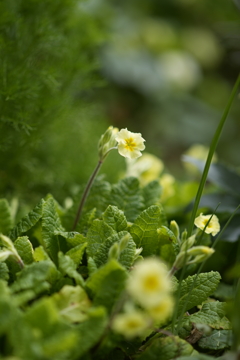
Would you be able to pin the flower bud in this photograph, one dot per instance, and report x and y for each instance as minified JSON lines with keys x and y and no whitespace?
{"x":114,"y":252}
{"x":187,"y":244}
{"x":107,"y":141}
{"x":123,"y":242}
{"x":174,"y":228}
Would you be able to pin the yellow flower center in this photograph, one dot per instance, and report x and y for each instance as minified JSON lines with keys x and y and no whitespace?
{"x":130,"y":144}
{"x":151,"y":283}
{"x":205,"y":223}
{"x":133,"y":324}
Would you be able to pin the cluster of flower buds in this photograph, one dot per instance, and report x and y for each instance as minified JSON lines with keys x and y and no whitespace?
{"x":190,"y":254}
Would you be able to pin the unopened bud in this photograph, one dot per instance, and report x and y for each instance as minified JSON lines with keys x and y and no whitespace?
{"x":114,"y":251}
{"x":123,"y":242}
{"x":107,"y":141}
{"x":188,"y":243}
{"x":201,"y":250}
{"x":174,"y":228}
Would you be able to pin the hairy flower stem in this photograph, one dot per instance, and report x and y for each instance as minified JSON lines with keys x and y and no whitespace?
{"x":172,"y":271}
{"x":85,"y":194}
{"x":88,"y":187}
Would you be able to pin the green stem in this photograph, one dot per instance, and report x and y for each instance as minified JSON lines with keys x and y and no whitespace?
{"x":88,"y":187}
{"x":210,"y":155}
{"x":85,"y":194}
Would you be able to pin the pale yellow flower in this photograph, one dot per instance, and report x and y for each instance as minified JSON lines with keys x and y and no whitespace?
{"x":167,"y":182}
{"x":163,"y":309}
{"x":200,"y":152}
{"x":149,"y":282}
{"x":213,"y":226}
{"x":147,"y":168}
{"x":131,"y":324}
{"x":130,"y":144}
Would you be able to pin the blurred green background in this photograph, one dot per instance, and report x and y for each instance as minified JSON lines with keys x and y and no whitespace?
{"x":69,"y":69}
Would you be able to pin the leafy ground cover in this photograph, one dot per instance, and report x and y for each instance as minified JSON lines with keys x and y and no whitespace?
{"x":121,"y":280}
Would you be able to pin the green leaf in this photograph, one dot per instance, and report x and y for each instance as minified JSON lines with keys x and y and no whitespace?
{"x":97,"y":234}
{"x":91,"y":330}
{"x":72,"y":303}
{"x":168,"y":245}
{"x":212,"y":314}
{"x":28,"y":221}
{"x":72,"y":238}
{"x":68,"y":267}
{"x":6,"y":222}
{"x":166,"y":348}
{"x":196,"y":357}
{"x":144,"y":230}
{"x":218,"y":340}
{"x":106,"y":284}
{"x":37,"y":277}
{"x":76,"y":253}
{"x":151,"y":193}
{"x":24,"y":249}
{"x":115,"y":218}
{"x":4,"y":272}
{"x":55,"y":339}
{"x":196,"y":289}
{"x":6,"y":308}
{"x":126,"y":257}
{"x":50,"y":224}
{"x":126,"y":195}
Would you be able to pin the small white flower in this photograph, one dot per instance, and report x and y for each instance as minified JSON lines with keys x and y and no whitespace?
{"x":130,"y":144}
{"x":149,"y":282}
{"x":213,"y":226}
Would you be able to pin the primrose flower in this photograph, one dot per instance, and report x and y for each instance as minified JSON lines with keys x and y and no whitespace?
{"x":163,"y":310}
{"x":149,"y":282}
{"x":130,"y":144}
{"x":213,"y":226}
{"x":146,"y":168}
{"x":131,"y":324}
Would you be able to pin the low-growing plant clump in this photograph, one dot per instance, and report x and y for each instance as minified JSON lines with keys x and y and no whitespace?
{"x":113,"y":277}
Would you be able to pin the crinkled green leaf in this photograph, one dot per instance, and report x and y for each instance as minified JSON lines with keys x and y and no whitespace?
{"x":50,"y":224}
{"x":48,"y":336}
{"x":6,"y":308}
{"x":24,"y":249}
{"x":6,"y":222}
{"x":106,"y":284}
{"x":68,"y":267}
{"x":151,"y":193}
{"x":40,"y":254}
{"x":72,"y":238}
{"x":212,"y":314}
{"x":196,"y":289}
{"x":196,"y":357}
{"x":77,"y":252}
{"x":115,"y":218}
{"x":4,"y":271}
{"x":217,"y":340}
{"x":97,"y":234}
{"x":126,"y":195}
{"x":126,"y":257}
{"x":144,"y":230}
{"x":37,"y":277}
{"x":72,"y":303}
{"x":28,"y":221}
{"x":168,"y":246}
{"x":91,"y":330}
{"x":166,"y":348}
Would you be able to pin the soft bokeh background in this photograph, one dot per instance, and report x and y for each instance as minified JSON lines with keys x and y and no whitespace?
{"x":69,"y":69}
